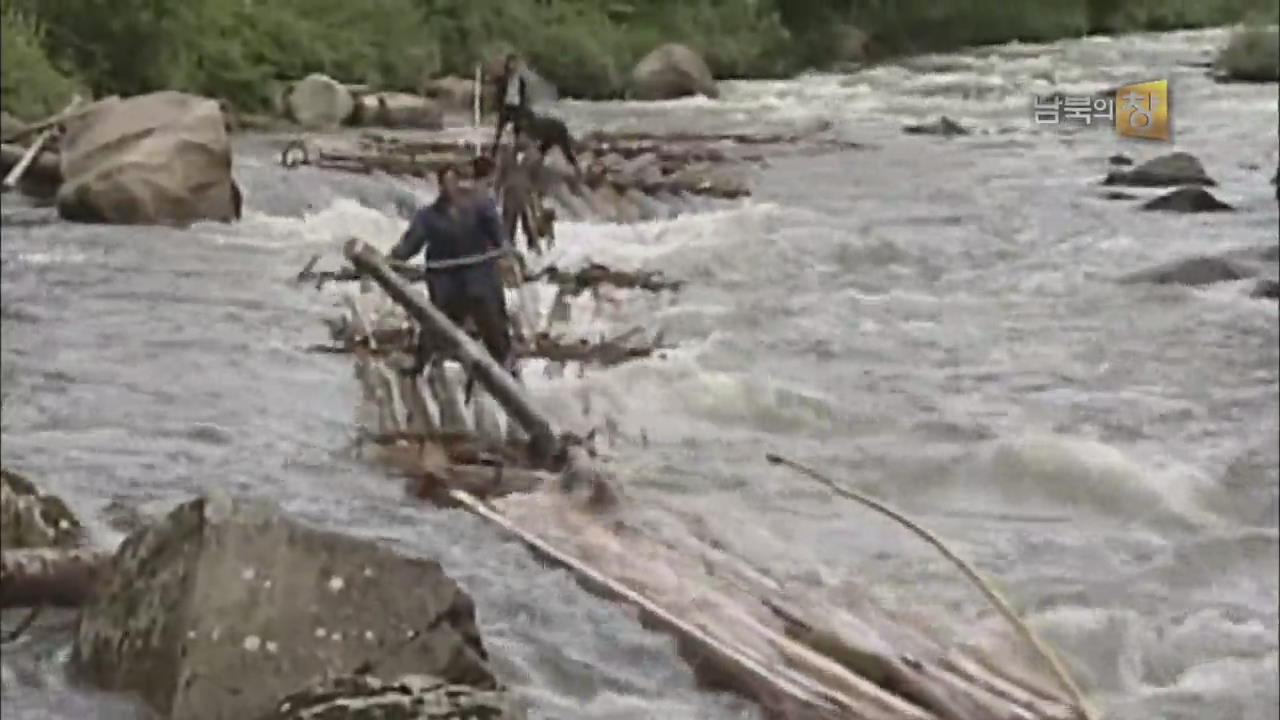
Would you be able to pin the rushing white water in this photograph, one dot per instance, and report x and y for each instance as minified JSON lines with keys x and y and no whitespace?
{"x":933,"y":321}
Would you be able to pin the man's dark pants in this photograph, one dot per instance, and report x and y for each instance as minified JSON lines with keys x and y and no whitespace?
{"x":474,"y":292}
{"x":507,"y":115}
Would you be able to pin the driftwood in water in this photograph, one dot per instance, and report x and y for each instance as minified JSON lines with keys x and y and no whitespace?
{"x":606,"y":351}
{"x":60,"y":577}
{"x":45,"y":168}
{"x":595,"y":274}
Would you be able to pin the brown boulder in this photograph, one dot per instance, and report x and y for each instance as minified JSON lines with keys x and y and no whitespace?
{"x":672,"y":71}
{"x":157,"y":159}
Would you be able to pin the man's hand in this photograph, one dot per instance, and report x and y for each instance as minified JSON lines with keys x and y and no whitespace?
{"x":511,"y":271}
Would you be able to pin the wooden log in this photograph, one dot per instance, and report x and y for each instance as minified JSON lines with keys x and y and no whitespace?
{"x":1041,"y":704}
{"x":500,"y":384}
{"x":45,"y":167}
{"x":448,"y":397}
{"x":73,"y":109}
{"x":418,"y":416}
{"x":482,"y":481}
{"x":20,"y":168}
{"x":780,"y":696}
{"x":61,"y":577}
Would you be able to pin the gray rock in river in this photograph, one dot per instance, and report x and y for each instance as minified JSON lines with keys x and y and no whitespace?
{"x":944,"y":126}
{"x":411,"y":697}
{"x":1187,"y":200}
{"x":1177,"y":168}
{"x":224,"y":607}
{"x":1268,"y":288}
{"x":1193,"y":272}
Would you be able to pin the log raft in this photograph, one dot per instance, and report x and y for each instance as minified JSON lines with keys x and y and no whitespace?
{"x":627,"y":177}
{"x":744,"y":632}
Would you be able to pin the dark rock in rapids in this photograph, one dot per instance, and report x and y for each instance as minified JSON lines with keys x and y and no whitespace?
{"x":1118,"y":195}
{"x":411,"y":697}
{"x":223,"y":607}
{"x":1120,"y":160}
{"x":1177,"y":168}
{"x":944,"y":126}
{"x":1193,"y":272}
{"x":1268,"y":288}
{"x":1187,"y":200}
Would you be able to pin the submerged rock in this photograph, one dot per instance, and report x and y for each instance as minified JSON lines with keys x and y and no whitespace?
{"x":1268,"y":288}
{"x":1177,"y":168}
{"x":943,"y":126}
{"x":32,"y":519}
{"x":223,"y":607}
{"x":1187,"y":200}
{"x":411,"y":697}
{"x":1120,"y":160}
{"x":1192,"y":272}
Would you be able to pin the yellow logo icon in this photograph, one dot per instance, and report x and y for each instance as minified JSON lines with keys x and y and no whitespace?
{"x":1142,"y":110}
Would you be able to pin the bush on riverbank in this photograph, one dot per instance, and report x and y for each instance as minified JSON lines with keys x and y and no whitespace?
{"x":30,"y":85}
{"x":237,"y":49}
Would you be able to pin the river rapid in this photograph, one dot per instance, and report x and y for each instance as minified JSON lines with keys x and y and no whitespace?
{"x":934,"y":321}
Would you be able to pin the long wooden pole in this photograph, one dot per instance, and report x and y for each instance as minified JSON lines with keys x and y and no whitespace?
{"x":542,"y":432}
{"x":988,"y":591}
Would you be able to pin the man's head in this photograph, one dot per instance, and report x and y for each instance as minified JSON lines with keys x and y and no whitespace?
{"x":447,"y":178}
{"x":510,"y":62}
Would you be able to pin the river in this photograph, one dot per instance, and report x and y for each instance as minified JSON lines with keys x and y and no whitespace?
{"x":935,"y":321}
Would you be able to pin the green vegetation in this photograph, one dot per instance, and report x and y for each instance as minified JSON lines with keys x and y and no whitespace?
{"x":240,"y":49}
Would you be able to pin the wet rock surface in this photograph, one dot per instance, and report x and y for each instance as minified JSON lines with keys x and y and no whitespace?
{"x":32,"y":519}
{"x":1192,"y":272}
{"x":1187,"y":200}
{"x":411,"y":697}
{"x":943,"y":126}
{"x":226,"y":606}
{"x":1177,"y":168}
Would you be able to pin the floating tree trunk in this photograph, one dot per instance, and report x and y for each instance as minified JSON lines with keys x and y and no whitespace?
{"x":59,"y":577}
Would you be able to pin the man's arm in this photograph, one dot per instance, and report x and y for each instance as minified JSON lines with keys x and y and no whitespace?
{"x":524,"y":91}
{"x":490,"y":225}
{"x":413,"y":240}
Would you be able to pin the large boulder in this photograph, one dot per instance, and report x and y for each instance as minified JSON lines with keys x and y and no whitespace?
{"x":1177,"y":168}
{"x":318,"y":102}
{"x":1187,"y":200}
{"x":398,"y":110}
{"x":1252,"y":55}
{"x":224,"y":607}
{"x":672,"y":71}
{"x":157,"y":159}
{"x":411,"y":697}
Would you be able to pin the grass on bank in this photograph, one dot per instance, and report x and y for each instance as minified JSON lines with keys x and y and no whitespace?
{"x":241,"y":49}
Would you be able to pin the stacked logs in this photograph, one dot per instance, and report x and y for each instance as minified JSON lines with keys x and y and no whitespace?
{"x":744,"y":631}
{"x":626,"y":178}
{"x":392,"y":335}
